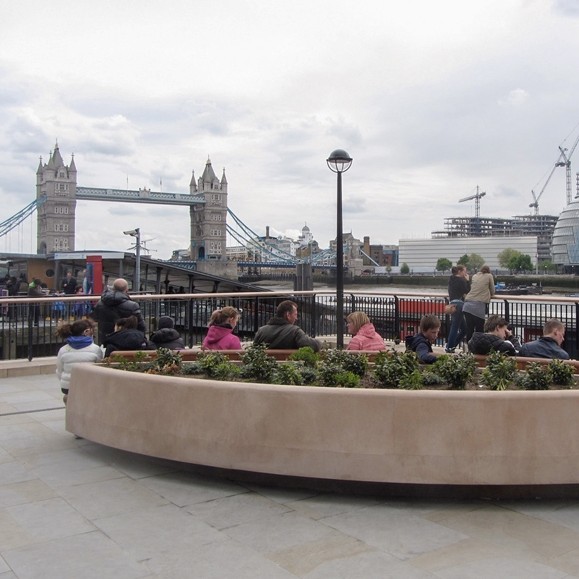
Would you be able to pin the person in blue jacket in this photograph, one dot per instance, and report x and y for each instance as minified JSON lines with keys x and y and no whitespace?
{"x":422,"y":342}
{"x":549,"y":344}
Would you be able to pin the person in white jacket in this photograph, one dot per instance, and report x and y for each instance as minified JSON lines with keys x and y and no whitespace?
{"x":79,"y":349}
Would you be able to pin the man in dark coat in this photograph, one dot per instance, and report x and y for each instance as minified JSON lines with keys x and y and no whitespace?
{"x":166,"y":335}
{"x":281,"y":333}
{"x":69,"y":284}
{"x":549,"y":344}
{"x":496,"y":337}
{"x":115,"y":304}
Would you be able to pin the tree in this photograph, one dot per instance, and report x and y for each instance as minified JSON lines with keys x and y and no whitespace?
{"x":521,"y":263}
{"x":475,"y":261}
{"x":404,"y":269}
{"x":463,"y":261}
{"x":506,"y":256}
{"x":443,"y":264}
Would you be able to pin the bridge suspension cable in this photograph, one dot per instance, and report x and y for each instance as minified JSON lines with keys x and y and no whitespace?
{"x":12,"y":222}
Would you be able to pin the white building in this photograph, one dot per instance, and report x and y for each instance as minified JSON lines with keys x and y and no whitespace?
{"x":421,"y":255}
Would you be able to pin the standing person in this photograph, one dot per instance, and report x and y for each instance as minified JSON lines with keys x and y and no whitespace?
{"x":549,"y":344}
{"x":115,"y":304}
{"x":69,"y":284}
{"x":79,"y":348}
{"x":166,"y":335}
{"x":35,"y":291}
{"x":126,"y":336}
{"x":458,"y":287}
{"x":220,"y":333}
{"x":365,"y":336}
{"x":281,"y":333}
{"x":495,"y":337}
{"x":422,"y":342}
{"x":476,"y":302}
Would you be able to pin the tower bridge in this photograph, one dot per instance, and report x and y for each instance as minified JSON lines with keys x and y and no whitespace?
{"x":57,"y":193}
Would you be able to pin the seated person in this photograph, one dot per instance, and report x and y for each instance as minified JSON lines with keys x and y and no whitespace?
{"x":126,"y":336}
{"x":549,"y":344}
{"x":220,"y":333}
{"x":281,"y":333}
{"x":365,"y":335}
{"x":422,"y":342}
{"x":496,"y":337}
{"x":166,"y":335}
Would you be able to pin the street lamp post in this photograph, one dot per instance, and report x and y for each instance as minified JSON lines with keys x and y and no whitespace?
{"x":339,"y":162}
{"x":136,"y":233}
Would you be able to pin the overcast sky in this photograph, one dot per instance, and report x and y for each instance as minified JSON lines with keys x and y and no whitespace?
{"x":430,"y":99}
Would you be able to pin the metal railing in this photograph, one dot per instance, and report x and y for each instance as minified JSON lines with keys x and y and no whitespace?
{"x":28,"y":325}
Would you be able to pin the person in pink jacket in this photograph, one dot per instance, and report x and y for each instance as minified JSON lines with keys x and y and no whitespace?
{"x":365,"y":336}
{"x":220,"y":333}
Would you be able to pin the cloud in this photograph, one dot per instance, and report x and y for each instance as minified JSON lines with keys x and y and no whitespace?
{"x":515,"y":97}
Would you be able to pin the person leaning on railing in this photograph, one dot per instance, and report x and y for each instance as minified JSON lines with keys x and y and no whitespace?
{"x":476,"y":302}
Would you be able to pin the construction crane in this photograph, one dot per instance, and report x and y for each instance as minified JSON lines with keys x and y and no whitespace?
{"x":536,"y":197}
{"x":566,"y":162}
{"x":477,"y":198}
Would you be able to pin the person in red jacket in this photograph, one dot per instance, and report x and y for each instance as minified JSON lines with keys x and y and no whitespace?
{"x":365,"y":335}
{"x":220,"y":333}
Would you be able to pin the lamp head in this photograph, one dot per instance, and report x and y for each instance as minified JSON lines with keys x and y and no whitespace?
{"x":132,"y":232}
{"x":339,"y":161}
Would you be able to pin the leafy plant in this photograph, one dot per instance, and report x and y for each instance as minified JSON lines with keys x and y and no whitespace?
{"x":391,"y":367}
{"x":538,"y":377}
{"x":166,"y":362}
{"x":137,"y":364}
{"x":456,"y":370}
{"x":561,"y":373}
{"x":500,"y":371}
{"x":289,"y":374}
{"x":305,"y":355}
{"x":355,"y":363}
{"x":430,"y":378}
{"x":257,"y":365}
{"x":412,"y":381}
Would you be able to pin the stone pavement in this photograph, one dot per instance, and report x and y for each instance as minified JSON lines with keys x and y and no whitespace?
{"x":74,"y":509}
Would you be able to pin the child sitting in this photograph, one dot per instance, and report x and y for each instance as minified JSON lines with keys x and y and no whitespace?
{"x":496,"y":336}
{"x":422,"y":342}
{"x":80,"y":348}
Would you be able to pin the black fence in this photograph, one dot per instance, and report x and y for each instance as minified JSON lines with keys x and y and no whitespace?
{"x":28,"y":326}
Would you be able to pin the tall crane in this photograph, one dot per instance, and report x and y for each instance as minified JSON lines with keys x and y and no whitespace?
{"x":566,"y":162}
{"x":535,"y":204}
{"x":477,"y":197}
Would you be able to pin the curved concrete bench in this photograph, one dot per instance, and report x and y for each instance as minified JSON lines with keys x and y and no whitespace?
{"x":385,"y":436}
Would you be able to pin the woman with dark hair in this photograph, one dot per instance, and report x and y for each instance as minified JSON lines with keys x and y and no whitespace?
{"x":476,"y":302}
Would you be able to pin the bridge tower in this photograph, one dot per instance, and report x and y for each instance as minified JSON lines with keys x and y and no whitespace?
{"x":208,"y":220}
{"x":56,"y":216}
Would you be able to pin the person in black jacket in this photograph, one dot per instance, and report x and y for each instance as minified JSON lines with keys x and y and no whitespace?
{"x":126,"y":337}
{"x":549,"y":344}
{"x":113,"y":305}
{"x":166,"y":335}
{"x":422,"y":342}
{"x":496,"y":337}
{"x":458,"y":287}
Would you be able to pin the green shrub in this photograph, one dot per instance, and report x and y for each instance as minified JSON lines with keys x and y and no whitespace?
{"x":257,"y":365}
{"x":391,"y":367}
{"x":356,"y":363}
{"x":561,"y":373}
{"x":334,"y":375}
{"x":305,"y":355}
{"x":412,"y":381}
{"x":215,"y":365}
{"x":167,"y":362}
{"x":537,"y":377}
{"x":500,"y":371}
{"x":289,"y":374}
{"x":455,"y":370}
{"x":430,"y":378}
